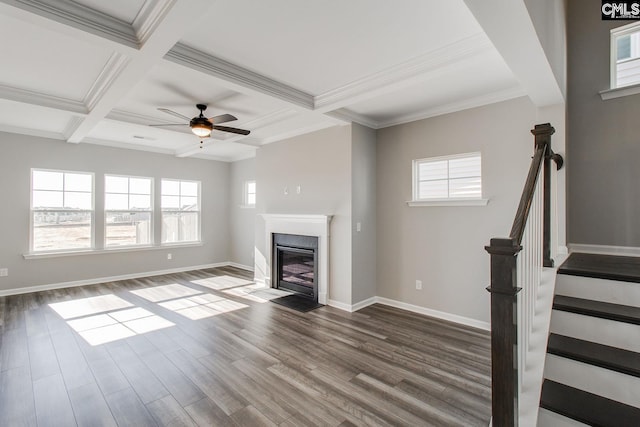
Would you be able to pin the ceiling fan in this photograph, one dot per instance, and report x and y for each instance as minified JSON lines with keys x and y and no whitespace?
{"x":202,"y":126}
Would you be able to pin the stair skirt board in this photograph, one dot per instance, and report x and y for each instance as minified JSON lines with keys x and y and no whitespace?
{"x":593,"y":379}
{"x":612,"y":291}
{"x":601,"y":331}
{"x":547,"y":418}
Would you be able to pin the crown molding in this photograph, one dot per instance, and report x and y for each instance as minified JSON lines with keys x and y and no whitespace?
{"x":110,"y":72}
{"x":129,"y":117}
{"x":31,"y":132}
{"x":403,"y":74}
{"x":189,"y":57}
{"x":81,"y":17}
{"x":296,"y":132}
{"x":349,"y":116}
{"x":149,"y":17}
{"x":478,"y":101}
{"x":71,"y":127}
{"x":25,"y":96}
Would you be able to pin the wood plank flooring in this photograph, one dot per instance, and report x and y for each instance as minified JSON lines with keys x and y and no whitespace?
{"x":206,"y":348}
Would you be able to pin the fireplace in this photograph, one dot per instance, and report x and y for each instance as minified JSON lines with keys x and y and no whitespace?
{"x":304,"y":225}
{"x":296,"y":264}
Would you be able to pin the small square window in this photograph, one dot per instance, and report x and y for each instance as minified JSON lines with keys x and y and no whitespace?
{"x":447,"y":178}
{"x":625,"y":56}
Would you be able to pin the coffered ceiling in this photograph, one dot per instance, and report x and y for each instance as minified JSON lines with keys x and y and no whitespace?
{"x":90,"y":71}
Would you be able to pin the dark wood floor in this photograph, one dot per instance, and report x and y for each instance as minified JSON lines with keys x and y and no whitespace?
{"x":206,"y":348}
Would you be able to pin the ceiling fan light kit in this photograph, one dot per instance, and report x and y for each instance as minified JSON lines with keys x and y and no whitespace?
{"x":202,"y":126}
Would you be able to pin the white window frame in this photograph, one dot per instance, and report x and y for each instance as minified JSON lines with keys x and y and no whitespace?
{"x":199,"y":212}
{"x":614,"y":91}
{"x":448,"y":201}
{"x":245,"y":194}
{"x":32,"y":211}
{"x":150,"y":211}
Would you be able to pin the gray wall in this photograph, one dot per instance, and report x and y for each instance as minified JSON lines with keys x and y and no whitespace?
{"x":21,"y":153}
{"x":241,"y":218}
{"x":320,"y":162}
{"x":603,"y":142}
{"x":444,"y":246}
{"x":363,"y":208}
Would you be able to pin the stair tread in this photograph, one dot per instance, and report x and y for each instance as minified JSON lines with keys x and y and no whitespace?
{"x":605,"y":310}
{"x":604,"y":356}
{"x":612,"y":267}
{"x":587,"y":407}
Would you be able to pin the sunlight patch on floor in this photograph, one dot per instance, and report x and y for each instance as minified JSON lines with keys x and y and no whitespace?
{"x":222,"y":282}
{"x":165,"y":292}
{"x":108,"y":318}
{"x":257,"y":293}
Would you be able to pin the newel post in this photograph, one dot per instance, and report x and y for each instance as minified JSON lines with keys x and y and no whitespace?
{"x":504,"y":332}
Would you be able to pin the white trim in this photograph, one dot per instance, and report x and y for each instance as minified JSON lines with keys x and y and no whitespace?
{"x":340,"y":305}
{"x":110,"y":72}
{"x":448,"y":202}
{"x":467,"y":321}
{"x":192,"y":58}
{"x":364,"y":303}
{"x":58,"y":103}
{"x":240,"y":266}
{"x":58,"y":254}
{"x":474,"y":323}
{"x":62,"y":285}
{"x":604,"y":249}
{"x":620,"y":92}
{"x":305,"y":225}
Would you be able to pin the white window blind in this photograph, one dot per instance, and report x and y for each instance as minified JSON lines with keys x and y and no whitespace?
{"x":451,"y":177}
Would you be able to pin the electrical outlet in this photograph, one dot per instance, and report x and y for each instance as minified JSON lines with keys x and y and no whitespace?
{"x":419,"y":285}
{"x":358,"y":226}
{"x":169,"y":256}
{"x":286,"y":191}
{"x":298,"y":189}
{"x":4,"y":272}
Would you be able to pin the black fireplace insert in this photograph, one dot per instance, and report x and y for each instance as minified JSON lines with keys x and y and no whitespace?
{"x":296,"y":264}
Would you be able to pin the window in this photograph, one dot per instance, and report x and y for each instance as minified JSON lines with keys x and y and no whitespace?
{"x":450,"y":178}
{"x":61,"y":210}
{"x":128,"y":211}
{"x":250,"y":193}
{"x":625,"y":56}
{"x":180,"y":204}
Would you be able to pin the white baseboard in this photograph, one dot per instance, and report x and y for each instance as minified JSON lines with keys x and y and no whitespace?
{"x":604,"y":249}
{"x":435,"y":313}
{"x":241,"y":266}
{"x":413,"y":308}
{"x":95,"y":281}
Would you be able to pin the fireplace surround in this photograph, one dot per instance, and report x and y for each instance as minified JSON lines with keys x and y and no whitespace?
{"x":304,"y":225}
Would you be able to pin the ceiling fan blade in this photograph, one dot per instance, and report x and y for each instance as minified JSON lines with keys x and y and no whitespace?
{"x":232,"y":130}
{"x":171,"y":124}
{"x":173,"y":113}
{"x":222,"y":118}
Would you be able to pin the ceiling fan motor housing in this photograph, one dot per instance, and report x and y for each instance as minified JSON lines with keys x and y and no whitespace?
{"x":201,"y":122}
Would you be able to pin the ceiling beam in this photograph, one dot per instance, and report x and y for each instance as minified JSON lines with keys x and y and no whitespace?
{"x":176,"y":21}
{"x":509,"y":26}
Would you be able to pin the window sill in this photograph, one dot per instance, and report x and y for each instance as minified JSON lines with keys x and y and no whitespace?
{"x":40,"y":255}
{"x":620,"y":92}
{"x":448,"y":202}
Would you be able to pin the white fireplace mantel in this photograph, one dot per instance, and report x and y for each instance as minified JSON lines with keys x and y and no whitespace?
{"x":304,"y":225}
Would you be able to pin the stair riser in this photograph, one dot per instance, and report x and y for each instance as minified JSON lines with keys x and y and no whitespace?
{"x":601,"y":331}
{"x":603,"y":382}
{"x":612,"y":291}
{"x":548,"y":418}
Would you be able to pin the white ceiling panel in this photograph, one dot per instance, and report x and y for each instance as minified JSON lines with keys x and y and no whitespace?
{"x":319,"y":46}
{"x":281,"y":67}
{"x":468,"y":83}
{"x":43,"y":61}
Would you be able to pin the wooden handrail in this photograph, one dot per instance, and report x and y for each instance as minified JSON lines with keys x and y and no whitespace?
{"x":504,"y":285}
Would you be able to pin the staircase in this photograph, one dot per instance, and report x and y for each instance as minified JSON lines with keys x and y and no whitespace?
{"x":592,"y":368}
